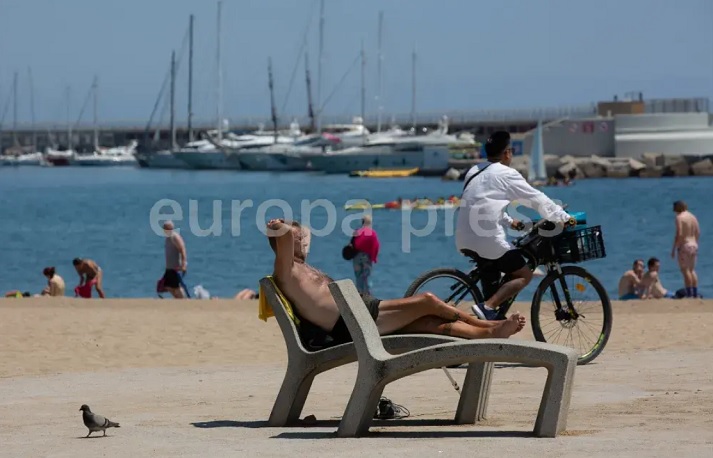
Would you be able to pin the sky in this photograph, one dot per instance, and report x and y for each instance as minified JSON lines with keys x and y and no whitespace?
{"x":471,"y":54}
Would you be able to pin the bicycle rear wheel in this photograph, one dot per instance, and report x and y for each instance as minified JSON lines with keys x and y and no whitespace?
{"x":450,"y":285}
{"x":587,"y":327}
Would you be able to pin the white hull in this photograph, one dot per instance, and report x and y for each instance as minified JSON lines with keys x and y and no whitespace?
{"x":31,"y":159}
{"x":207,"y":160}
{"x":161,"y":160}
{"x":98,"y":160}
{"x":428,"y":159}
{"x":272,"y":162}
{"x":277,"y":158}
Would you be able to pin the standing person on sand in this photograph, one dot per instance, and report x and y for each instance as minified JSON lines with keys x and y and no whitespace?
{"x":366,"y":243}
{"x":90,"y":274}
{"x":176,"y":261}
{"x":686,"y":243}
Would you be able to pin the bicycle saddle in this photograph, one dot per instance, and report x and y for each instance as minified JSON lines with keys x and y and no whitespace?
{"x":474,"y":257}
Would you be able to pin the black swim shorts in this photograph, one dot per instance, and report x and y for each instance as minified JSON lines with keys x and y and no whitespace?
{"x":340,"y":333}
{"x":171,"y":279}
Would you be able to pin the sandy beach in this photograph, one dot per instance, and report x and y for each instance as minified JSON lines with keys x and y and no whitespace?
{"x":198,"y":378}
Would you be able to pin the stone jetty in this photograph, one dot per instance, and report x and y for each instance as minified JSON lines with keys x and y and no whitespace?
{"x":651,"y":165}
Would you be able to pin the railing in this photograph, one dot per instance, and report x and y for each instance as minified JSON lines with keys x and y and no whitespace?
{"x":402,"y":119}
{"x":462,"y":117}
{"x":689,"y":105}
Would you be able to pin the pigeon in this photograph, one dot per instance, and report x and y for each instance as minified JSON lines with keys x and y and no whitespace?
{"x":95,"y":422}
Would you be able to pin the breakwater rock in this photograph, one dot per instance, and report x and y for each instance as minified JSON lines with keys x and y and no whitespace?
{"x":651,"y":165}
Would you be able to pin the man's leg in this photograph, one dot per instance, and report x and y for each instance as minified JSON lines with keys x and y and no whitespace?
{"x":172,"y":280}
{"x":694,"y":276}
{"x":98,"y":284}
{"x":176,"y":292}
{"x":435,"y":325}
{"x":396,"y":314}
{"x":520,"y":279}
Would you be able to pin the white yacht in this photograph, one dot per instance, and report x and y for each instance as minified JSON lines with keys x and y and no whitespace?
{"x":283,"y":157}
{"x":429,"y":153}
{"x":203,"y":155}
{"x":23,"y":159}
{"x":109,"y":157}
{"x":163,"y":159}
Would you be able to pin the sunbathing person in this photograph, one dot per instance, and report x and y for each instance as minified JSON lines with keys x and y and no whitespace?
{"x":307,"y":289}
{"x":651,"y":283}
{"x":630,"y":282}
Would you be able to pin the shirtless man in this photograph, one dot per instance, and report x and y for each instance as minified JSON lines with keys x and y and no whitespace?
{"x":686,"y":243}
{"x":630,"y":282}
{"x":651,"y":286}
{"x":307,"y":289}
{"x":89,"y":273}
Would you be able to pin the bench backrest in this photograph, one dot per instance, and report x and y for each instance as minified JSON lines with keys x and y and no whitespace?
{"x":359,"y":321}
{"x":288,"y":327}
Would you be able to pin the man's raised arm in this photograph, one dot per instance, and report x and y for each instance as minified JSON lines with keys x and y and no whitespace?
{"x":281,"y":234}
{"x":518,"y":189}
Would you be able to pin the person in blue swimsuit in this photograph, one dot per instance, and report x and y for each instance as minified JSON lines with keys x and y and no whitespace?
{"x":630,"y":282}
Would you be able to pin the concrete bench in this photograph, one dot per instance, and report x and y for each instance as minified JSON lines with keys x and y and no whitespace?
{"x":303,"y":365}
{"x":377,"y":367}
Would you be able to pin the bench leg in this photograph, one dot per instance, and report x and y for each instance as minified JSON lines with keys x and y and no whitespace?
{"x":552,"y":415}
{"x":473,"y":403}
{"x":361,"y":407}
{"x":292,"y":396}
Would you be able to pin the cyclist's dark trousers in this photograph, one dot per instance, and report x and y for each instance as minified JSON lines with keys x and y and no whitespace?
{"x":490,"y":281}
{"x":490,"y":275}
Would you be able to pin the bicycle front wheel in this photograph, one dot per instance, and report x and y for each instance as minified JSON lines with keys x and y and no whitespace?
{"x":583,"y":322}
{"x":449,"y":285}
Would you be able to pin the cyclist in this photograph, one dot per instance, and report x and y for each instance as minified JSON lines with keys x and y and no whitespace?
{"x":480,"y":228}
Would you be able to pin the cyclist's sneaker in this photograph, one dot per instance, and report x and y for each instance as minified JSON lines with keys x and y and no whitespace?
{"x":484,"y":313}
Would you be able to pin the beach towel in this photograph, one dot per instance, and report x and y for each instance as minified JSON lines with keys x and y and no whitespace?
{"x":85,"y":290}
{"x":265,"y":310}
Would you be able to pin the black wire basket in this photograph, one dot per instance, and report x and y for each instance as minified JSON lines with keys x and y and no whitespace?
{"x":579,"y":245}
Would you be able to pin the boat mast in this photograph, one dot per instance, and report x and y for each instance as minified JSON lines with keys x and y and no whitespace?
{"x":319,"y":66}
{"x":379,"y":72}
{"x":219,"y":107}
{"x":14,"y":110}
{"x":190,"y":80}
{"x":173,"y":101}
{"x":363,"y":86}
{"x":310,"y":107}
{"x":95,"y":90}
{"x":32,"y":109}
{"x":270,"y":84}
{"x":413,"y":89}
{"x":69,"y":122}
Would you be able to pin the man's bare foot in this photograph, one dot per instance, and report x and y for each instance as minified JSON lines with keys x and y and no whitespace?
{"x":508,"y":327}
{"x":520,"y":319}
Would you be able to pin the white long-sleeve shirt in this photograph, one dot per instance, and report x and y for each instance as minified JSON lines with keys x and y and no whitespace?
{"x":482,"y":218}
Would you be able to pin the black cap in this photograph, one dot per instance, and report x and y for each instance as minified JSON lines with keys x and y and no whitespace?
{"x":497,"y":143}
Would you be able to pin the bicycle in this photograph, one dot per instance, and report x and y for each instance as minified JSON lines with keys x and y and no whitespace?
{"x":572,"y":245}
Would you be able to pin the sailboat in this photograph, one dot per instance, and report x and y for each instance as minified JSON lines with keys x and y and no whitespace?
{"x":209,"y":153}
{"x":536,"y":173}
{"x":117,"y":156}
{"x":19,"y":155}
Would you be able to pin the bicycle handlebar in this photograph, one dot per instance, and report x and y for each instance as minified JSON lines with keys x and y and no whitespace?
{"x":539,"y":225}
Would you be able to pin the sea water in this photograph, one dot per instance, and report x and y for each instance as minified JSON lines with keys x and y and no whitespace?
{"x":51,"y":215}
